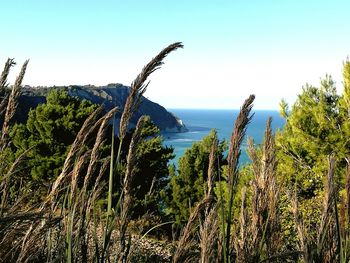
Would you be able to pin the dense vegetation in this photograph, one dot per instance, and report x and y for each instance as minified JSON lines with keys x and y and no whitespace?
{"x":76,"y":186}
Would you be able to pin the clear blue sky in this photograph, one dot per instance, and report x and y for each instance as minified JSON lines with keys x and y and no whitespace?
{"x":232,"y":48}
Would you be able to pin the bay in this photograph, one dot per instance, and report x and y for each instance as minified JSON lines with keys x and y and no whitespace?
{"x":199,"y":122}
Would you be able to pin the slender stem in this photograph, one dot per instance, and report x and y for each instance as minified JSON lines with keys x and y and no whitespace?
{"x":222,"y":214}
{"x":119,"y":153}
{"x":339,"y":243}
{"x":229,"y":218}
{"x":154,"y":227}
{"x":111,"y":167}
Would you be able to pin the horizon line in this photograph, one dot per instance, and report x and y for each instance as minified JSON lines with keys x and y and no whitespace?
{"x":235,"y":109}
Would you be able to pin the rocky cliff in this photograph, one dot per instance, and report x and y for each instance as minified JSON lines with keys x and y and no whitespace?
{"x":109,"y":96}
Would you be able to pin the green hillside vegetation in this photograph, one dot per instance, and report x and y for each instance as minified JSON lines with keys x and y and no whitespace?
{"x":76,"y":186}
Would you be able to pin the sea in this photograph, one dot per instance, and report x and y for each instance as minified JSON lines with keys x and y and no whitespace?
{"x":199,"y":123}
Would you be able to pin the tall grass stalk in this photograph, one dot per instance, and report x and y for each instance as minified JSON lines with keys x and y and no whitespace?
{"x":111,"y":169}
{"x":87,"y":128}
{"x":126,"y":204}
{"x":209,"y":229}
{"x":323,"y":247}
{"x":3,"y":85}
{"x":5,"y":181}
{"x":258,"y":233}
{"x":237,"y":136}
{"x":137,"y":89}
{"x":3,"y":78}
{"x":344,"y":241}
{"x":185,"y":243}
{"x":222,"y":250}
{"x":12,"y":105}
{"x":209,"y":236}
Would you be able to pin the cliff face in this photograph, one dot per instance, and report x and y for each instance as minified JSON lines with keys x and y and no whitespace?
{"x":109,"y":96}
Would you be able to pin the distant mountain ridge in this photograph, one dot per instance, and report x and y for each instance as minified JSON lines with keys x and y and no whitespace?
{"x":109,"y":96}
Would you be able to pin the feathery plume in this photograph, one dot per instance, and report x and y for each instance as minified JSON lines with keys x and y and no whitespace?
{"x":12,"y":105}
{"x":96,"y":149}
{"x":138,"y":87}
{"x":237,"y":136}
{"x":3,"y":84}
{"x":88,"y":126}
{"x":3,"y":78}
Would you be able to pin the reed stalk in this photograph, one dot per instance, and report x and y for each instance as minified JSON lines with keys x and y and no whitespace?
{"x":344,"y":241}
{"x":12,"y":105}
{"x":87,"y":128}
{"x":3,"y":78}
{"x":111,"y":169}
{"x":3,"y":85}
{"x":212,"y":169}
{"x":5,"y":181}
{"x":139,"y":86}
{"x":137,"y":89}
{"x":126,"y":204}
{"x":185,"y":243}
{"x":237,"y":136}
{"x":209,"y":235}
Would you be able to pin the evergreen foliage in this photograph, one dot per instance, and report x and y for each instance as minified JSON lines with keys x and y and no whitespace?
{"x":50,"y":130}
{"x":315,"y":128}
{"x":188,"y":181}
{"x":152,"y":173}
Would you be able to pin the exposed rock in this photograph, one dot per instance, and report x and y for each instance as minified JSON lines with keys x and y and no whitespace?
{"x":110,"y":96}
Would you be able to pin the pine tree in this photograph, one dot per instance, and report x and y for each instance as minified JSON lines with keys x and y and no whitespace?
{"x":188,"y":181}
{"x":49,"y":131}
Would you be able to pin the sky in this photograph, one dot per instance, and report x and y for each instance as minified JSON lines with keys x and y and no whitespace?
{"x":231,"y":48}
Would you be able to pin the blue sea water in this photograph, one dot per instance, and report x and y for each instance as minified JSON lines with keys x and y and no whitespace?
{"x":200,"y":122}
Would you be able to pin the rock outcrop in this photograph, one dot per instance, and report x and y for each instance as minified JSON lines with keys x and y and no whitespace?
{"x":109,"y":96}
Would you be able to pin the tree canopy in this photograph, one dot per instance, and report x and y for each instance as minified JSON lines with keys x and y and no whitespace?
{"x":49,"y":131}
{"x":188,"y":180}
{"x":317,"y":126}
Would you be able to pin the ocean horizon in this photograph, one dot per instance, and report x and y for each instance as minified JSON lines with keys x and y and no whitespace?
{"x":200,"y":122}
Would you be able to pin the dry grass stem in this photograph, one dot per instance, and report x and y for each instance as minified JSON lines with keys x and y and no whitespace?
{"x":95,"y":154}
{"x":3,"y":78}
{"x":241,"y":241}
{"x":211,"y":169}
{"x":3,"y":84}
{"x":5,"y":181}
{"x":77,"y":169}
{"x":259,"y":230}
{"x":127,"y":187}
{"x":300,"y":227}
{"x":208,"y":235}
{"x":347,"y":192}
{"x":323,"y":248}
{"x":185,"y":242}
{"x":237,"y":136}
{"x":138,"y":87}
{"x":12,"y":106}
{"x":325,"y":241}
{"x":76,"y":147}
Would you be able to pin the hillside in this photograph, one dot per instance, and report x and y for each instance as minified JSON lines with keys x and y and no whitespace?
{"x":110,"y":95}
